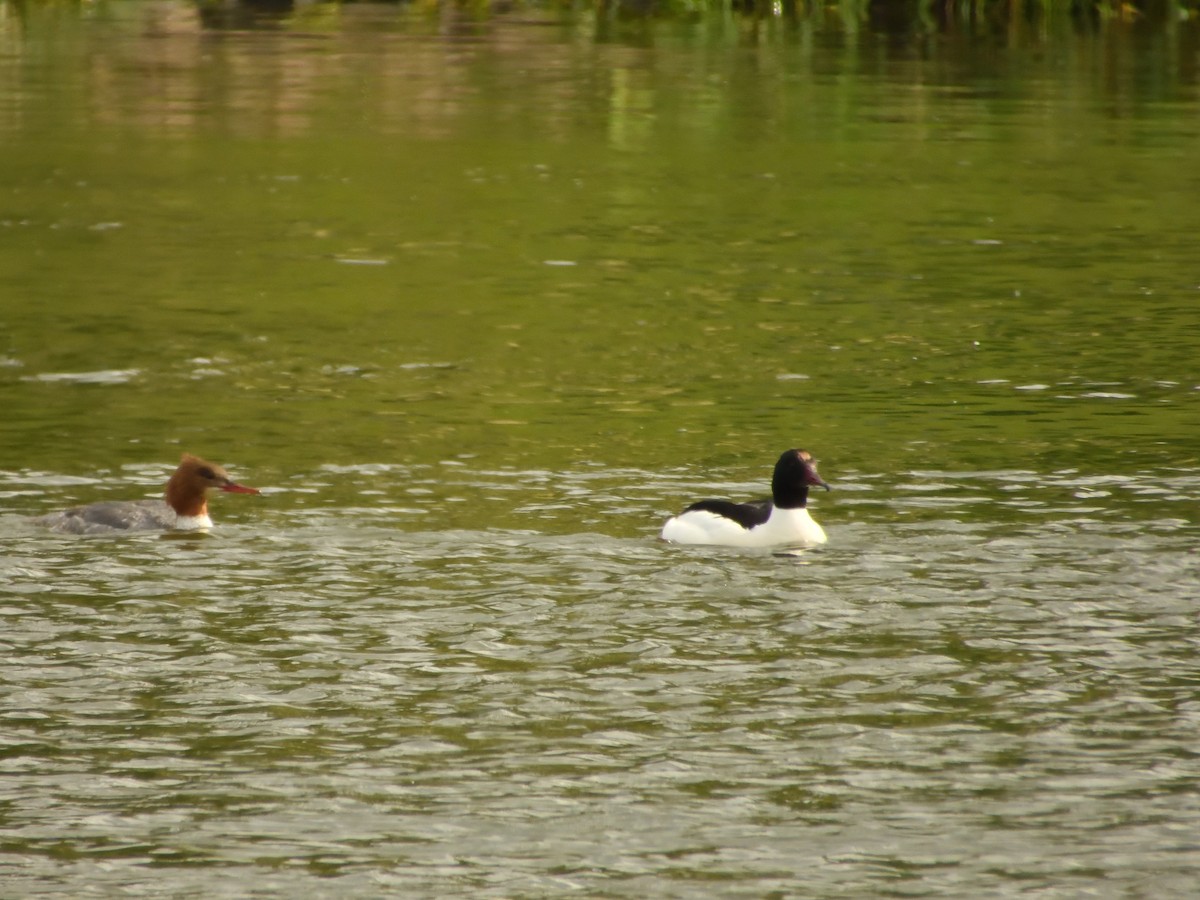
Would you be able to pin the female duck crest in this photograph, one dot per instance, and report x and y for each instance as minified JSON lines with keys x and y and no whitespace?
{"x":187,"y":489}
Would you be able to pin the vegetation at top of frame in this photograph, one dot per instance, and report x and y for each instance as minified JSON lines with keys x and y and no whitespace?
{"x":1132,"y":9}
{"x":885,"y":14}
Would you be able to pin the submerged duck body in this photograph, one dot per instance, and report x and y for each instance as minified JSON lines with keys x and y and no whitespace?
{"x":184,"y":506}
{"x":783,"y":520}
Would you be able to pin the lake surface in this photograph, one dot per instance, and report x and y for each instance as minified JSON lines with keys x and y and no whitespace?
{"x":478,"y":302}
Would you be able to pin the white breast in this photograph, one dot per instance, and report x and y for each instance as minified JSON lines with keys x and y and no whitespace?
{"x":192,"y":523}
{"x":785,"y":527}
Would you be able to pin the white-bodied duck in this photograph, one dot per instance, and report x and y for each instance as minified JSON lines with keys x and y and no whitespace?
{"x":781,"y":521}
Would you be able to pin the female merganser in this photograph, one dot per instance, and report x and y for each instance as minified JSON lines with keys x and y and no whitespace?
{"x":185,"y":506}
{"x":761,"y":523}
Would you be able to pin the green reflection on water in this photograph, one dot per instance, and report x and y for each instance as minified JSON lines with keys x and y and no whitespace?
{"x":697,"y":251}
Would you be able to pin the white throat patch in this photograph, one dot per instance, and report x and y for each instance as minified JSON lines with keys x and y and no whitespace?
{"x":193,"y":523}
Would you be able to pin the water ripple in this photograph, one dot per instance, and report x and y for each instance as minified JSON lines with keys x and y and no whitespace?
{"x":967,"y":695}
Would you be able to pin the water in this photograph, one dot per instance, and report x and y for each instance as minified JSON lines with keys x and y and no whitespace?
{"x":478,"y":303}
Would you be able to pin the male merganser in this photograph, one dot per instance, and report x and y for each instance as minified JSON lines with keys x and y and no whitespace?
{"x":185,"y":506}
{"x":782,"y":520}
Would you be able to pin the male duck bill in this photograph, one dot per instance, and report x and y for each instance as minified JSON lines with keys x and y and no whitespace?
{"x":781,"y":521}
{"x":184,"y":505}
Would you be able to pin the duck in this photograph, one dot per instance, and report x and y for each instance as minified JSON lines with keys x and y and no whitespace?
{"x":783,"y":520}
{"x":184,"y":506}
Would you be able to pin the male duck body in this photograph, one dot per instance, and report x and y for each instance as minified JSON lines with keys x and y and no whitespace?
{"x":783,"y":520}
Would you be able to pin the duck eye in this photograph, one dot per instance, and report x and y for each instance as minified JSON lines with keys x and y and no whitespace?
{"x":206,"y":472}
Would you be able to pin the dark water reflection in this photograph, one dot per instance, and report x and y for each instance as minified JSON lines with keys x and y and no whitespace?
{"x":480,"y":301}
